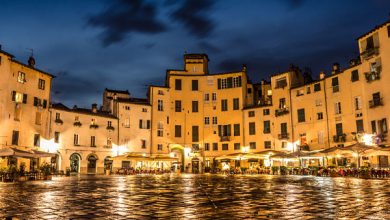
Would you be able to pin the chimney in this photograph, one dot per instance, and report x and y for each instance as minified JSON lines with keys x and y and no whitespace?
{"x":31,"y":61}
{"x":322,"y":75}
{"x":336,"y":68}
{"x":75,"y":107}
{"x":94,"y":108}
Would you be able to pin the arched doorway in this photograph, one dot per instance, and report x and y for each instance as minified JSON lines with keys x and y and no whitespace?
{"x":91,"y":164}
{"x":107,"y":164}
{"x":178,"y":149}
{"x":75,"y":162}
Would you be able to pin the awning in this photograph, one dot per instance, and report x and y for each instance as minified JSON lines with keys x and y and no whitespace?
{"x":14,"y":152}
{"x":163,"y":158}
{"x":239,"y":156}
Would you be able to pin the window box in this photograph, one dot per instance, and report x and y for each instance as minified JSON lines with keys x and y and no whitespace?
{"x":111,"y":128}
{"x":94,"y":126}
{"x":374,"y":75}
{"x":77,"y":124}
{"x":225,"y":138}
{"x":58,"y":121}
{"x":283,"y":136}
{"x":370,"y":52}
{"x":281,"y":111}
{"x":376,"y":102}
{"x":339,"y":138}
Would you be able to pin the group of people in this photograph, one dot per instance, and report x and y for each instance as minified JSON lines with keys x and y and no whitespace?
{"x":132,"y":171}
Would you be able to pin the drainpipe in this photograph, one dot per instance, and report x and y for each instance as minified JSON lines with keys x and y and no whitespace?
{"x":326,"y":112}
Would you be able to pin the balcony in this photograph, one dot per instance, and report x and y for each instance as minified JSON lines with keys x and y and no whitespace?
{"x":376,"y":102}
{"x":224,"y":138}
{"x":369,"y":52}
{"x":283,"y":136}
{"x":339,"y":138}
{"x":373,"y":75}
{"x":281,"y":111}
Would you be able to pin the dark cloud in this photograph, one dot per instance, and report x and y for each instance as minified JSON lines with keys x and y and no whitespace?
{"x":294,"y":4}
{"x":193,"y":15}
{"x":124,"y":17}
{"x":208,"y":47}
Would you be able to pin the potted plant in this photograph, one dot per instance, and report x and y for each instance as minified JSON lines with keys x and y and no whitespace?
{"x":77,"y":124}
{"x":275,"y":170}
{"x":21,"y":173}
{"x":12,"y":173}
{"x":46,"y":171}
{"x":283,"y":170}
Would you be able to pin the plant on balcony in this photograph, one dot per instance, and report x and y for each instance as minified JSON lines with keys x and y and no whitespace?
{"x":111,"y":128}
{"x":58,"y":121}
{"x":77,"y":124}
{"x":340,"y":138}
{"x":94,"y":126}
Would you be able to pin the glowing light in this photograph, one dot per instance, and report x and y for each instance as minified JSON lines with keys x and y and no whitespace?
{"x":267,"y":163}
{"x":172,"y":154}
{"x":144,"y":155}
{"x":292,"y":146}
{"x":187,"y":151}
{"x":49,"y":145}
{"x":367,"y":139}
{"x":338,"y":155}
{"x":119,"y":150}
{"x":225,"y":166}
{"x":355,"y":155}
{"x":245,"y":149}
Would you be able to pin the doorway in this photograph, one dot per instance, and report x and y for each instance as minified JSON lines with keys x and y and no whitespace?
{"x":91,"y":164}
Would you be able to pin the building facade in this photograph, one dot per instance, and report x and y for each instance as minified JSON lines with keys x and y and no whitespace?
{"x":199,"y":121}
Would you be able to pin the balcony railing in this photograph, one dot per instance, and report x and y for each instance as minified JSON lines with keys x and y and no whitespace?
{"x":339,"y":138}
{"x":375,"y":102}
{"x":283,"y":136}
{"x":368,"y":53}
{"x":373,"y":75}
{"x":225,"y":138}
{"x":281,"y":111}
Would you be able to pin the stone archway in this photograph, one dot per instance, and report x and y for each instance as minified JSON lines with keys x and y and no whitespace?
{"x":91,"y":163}
{"x":75,"y":159}
{"x":180,"y":149}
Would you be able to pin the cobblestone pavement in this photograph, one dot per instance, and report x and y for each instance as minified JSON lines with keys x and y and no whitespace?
{"x":196,"y":196}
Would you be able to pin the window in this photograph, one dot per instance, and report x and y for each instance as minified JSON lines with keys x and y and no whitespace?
{"x":127,"y":107}
{"x":18,"y":112}
{"x":249,"y":90}
{"x":300,"y":92}
{"x":267,"y":144}
{"x":194,"y":85}
{"x":210,"y":81}
{"x":143,"y":143}
{"x":267,"y":127}
{"x":224,"y":130}
{"x":320,"y":116}
{"x":215,"y":146}
{"x":167,"y":119}
{"x":236,"y":82}
{"x":370,"y":43}
{"x":159,"y":147}
{"x":223,"y":83}
{"x":127,"y":123}
{"x":318,"y":102}
{"x":224,"y":105}
{"x":225,"y":146}
{"x":206,"y":146}
{"x":281,"y":83}
{"x":236,"y":104}
{"x":206,"y":120}
{"x":38,"y":118}
{"x":237,"y":146}
{"x":214,"y":96}
{"x":160,"y":129}
{"x":109,"y":123}
{"x":177,"y":84}
{"x":358,"y":103}
{"x":382,"y":126}
{"x":21,"y":77}
{"x":337,"y":108}
{"x":301,"y":115}
{"x":284,"y":144}
{"x":317,"y":87}
{"x":144,"y":110}
{"x":373,"y":127}
{"x":236,"y":128}
{"x":75,"y":139}
{"x":215,"y":120}
{"x":359,"y":126}
{"x":177,"y":106}
{"x":388,"y":30}
{"x":15,"y":137}
{"x":376,"y":99}
{"x":251,"y":114}
{"x":41,"y":84}
{"x":17,"y":97}
{"x":339,"y":129}
{"x":160,"y":105}
{"x":206,"y":97}
{"x":194,"y":106}
{"x":24,"y":99}
{"x":308,"y":90}
{"x":266,"y":111}
{"x":355,"y":75}
{"x":160,"y":92}
{"x":195,"y":133}
{"x":144,"y":124}
{"x":56,"y":137}
{"x":58,"y":116}
{"x":335,"y":84}
{"x":282,"y":103}
{"x":37,"y":140}
{"x":252,"y":128}
{"x":283,"y":129}
{"x":93,"y":141}
{"x":252,"y":145}
{"x":177,"y":130}
{"x":125,"y":164}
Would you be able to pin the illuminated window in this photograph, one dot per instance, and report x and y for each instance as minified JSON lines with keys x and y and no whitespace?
{"x":160,"y":129}
{"x":21,"y":77}
{"x":337,"y":108}
{"x":127,"y":123}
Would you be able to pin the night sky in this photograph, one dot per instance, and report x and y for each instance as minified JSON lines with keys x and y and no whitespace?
{"x":90,"y":45}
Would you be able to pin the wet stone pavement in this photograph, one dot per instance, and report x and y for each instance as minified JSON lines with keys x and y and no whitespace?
{"x":188,"y":196}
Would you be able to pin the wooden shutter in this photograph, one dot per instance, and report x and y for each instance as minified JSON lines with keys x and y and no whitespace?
{"x":219,"y":83}
{"x":24,"y":98}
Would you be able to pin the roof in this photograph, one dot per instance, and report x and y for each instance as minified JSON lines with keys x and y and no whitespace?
{"x":6,"y":53}
{"x":117,"y":91}
{"x":374,"y":29}
{"x":60,"y":106}
{"x":140,"y":101}
{"x":196,"y":56}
